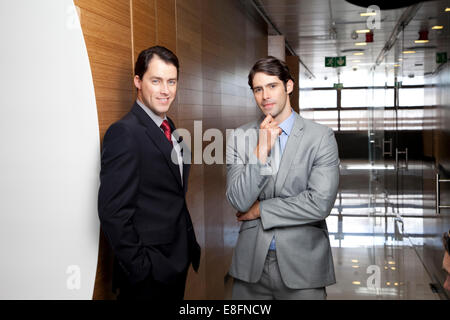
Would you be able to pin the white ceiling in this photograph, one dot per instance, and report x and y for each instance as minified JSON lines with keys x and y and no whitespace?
{"x":309,"y":27}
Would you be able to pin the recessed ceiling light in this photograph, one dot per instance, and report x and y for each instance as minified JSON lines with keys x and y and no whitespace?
{"x":437,"y":27}
{"x":355,"y":267}
{"x":358,"y":53}
{"x":356,"y":282}
{"x":360,"y":43}
{"x":354,"y":261}
{"x":421,"y":41}
{"x":409,"y":51}
{"x":368,"y":14}
{"x":363,"y":31}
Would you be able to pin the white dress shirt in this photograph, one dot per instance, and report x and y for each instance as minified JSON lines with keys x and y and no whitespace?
{"x":158,"y":121}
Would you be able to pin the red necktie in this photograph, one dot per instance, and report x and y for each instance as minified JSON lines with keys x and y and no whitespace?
{"x":166,"y":128}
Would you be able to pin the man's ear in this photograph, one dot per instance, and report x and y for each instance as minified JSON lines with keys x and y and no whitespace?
{"x":289,"y":86}
{"x":137,"y":82}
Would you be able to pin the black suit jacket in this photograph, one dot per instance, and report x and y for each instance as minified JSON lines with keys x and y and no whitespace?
{"x":142,"y":203}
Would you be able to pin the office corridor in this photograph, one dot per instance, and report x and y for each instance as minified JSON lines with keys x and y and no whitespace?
{"x":377,"y":73}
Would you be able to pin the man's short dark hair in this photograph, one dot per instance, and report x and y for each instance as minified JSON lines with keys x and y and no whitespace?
{"x":271,"y":66}
{"x":146,"y":56}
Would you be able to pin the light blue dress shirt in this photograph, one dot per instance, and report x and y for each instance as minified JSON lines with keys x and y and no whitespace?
{"x":286,"y":126}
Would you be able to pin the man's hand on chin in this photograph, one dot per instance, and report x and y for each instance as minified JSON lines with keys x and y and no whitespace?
{"x":252,"y":214}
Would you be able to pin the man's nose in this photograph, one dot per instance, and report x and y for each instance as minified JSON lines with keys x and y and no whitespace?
{"x":164,"y":88}
{"x":266,"y":95}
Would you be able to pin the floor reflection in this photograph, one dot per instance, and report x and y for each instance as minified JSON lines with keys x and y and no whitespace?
{"x":376,"y":229}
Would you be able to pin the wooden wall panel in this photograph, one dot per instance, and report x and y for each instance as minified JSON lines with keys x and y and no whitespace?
{"x":107,"y":34}
{"x":115,"y":32}
{"x":144,"y":25}
{"x":190,"y":108}
{"x":294,"y":67}
{"x":166,"y":24}
{"x":112,"y":10}
{"x":217,"y":44}
{"x":108,"y":44}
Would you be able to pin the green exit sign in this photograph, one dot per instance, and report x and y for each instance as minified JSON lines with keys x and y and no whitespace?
{"x":338,"y":85}
{"x":335,"y":62}
{"x":441,"y":57}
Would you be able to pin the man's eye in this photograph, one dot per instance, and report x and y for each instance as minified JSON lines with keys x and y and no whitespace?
{"x":155,"y":81}
{"x":257,"y":90}
{"x":273,"y":86}
{"x":172,"y":82}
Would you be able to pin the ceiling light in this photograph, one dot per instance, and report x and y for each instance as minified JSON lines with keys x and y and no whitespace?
{"x":363,"y":31}
{"x":392,"y":268}
{"x":395,"y":283}
{"x":388,"y":283}
{"x":356,"y":282}
{"x":356,"y":61}
{"x":438,"y":27}
{"x":368,"y":14}
{"x":396,"y":65}
{"x":400,"y":59}
{"x":360,"y":44}
{"x":447,"y":9}
{"x":391,"y":262}
{"x":355,"y":261}
{"x":409,"y":51}
{"x":423,"y":37}
{"x":355,"y":267}
{"x":358,"y":53}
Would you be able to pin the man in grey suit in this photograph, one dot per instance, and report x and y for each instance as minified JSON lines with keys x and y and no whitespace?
{"x":282,"y":178}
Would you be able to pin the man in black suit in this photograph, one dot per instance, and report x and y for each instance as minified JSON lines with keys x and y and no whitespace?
{"x":141,"y":202}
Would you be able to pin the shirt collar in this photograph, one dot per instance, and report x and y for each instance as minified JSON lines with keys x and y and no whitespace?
{"x":156,"y":119}
{"x":288,"y":124}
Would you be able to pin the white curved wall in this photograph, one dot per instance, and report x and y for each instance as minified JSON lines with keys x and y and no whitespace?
{"x":49,"y":158}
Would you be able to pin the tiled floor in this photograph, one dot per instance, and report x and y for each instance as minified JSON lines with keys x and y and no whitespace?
{"x":376,"y":230}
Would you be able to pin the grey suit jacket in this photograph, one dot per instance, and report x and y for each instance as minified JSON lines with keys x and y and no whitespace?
{"x":294,"y":203}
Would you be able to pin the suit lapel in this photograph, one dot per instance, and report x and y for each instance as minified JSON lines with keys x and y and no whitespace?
{"x":292,"y":146}
{"x":159,"y":139}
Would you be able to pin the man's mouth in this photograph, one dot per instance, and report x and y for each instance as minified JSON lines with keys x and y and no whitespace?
{"x":268,"y":105}
{"x":163,"y":100}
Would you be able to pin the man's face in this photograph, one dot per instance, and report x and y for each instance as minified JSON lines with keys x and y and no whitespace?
{"x":158,"y":87}
{"x":446,"y":266}
{"x":270,"y":93}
